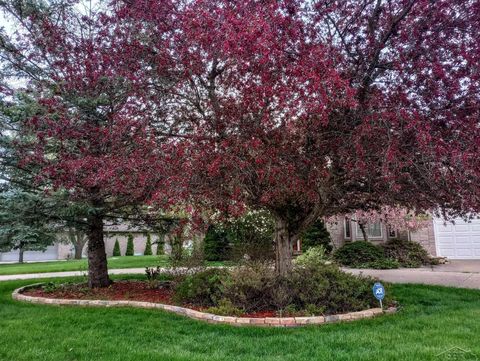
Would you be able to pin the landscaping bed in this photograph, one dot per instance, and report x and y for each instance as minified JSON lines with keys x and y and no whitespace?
{"x":312,"y":293}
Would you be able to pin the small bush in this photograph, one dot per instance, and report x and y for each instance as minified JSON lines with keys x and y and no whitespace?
{"x":130,"y":251}
{"x":148,"y":246}
{"x":225,"y":308}
{"x":116,"y":249}
{"x":407,"y":253}
{"x":250,"y":286}
{"x":356,"y":254}
{"x":314,"y":255}
{"x":202,"y":288}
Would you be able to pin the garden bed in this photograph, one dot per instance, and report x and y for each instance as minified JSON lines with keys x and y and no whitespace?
{"x":138,"y":295}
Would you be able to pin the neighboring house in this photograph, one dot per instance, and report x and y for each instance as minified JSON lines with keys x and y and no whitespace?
{"x":62,"y":251}
{"x":460,"y":240}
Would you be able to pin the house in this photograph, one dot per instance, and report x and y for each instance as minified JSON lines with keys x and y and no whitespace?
{"x":63,"y":251}
{"x":458,"y":240}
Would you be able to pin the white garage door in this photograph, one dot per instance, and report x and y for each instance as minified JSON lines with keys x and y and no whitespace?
{"x":458,"y":241}
{"x":51,"y":253}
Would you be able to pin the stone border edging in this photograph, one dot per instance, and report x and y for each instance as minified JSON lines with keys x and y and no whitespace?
{"x":208,"y":317}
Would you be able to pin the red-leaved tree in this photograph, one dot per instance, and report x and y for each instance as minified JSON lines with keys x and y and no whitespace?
{"x":314,"y":108}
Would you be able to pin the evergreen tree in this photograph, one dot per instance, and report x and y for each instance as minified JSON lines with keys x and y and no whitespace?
{"x":148,"y":246}
{"x":130,"y":251}
{"x":216,"y":243}
{"x":316,"y":235}
{"x":116,"y":249}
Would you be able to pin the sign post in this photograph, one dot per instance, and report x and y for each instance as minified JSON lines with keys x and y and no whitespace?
{"x":379,"y":292}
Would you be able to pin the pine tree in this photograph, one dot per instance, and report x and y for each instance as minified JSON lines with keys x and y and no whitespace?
{"x":116,"y":249}
{"x":130,"y":251}
{"x":148,"y":246}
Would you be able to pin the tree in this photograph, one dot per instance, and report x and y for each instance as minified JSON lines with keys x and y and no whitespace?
{"x":77,"y":238}
{"x":116,"y":249}
{"x":310,"y":109}
{"x":216,"y":244}
{"x":130,"y":246}
{"x":316,"y":235}
{"x":148,"y":246}
{"x":90,"y":135}
{"x":23,"y":226}
{"x":160,"y":244}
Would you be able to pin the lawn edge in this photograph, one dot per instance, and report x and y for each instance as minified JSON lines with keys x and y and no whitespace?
{"x":18,"y":295}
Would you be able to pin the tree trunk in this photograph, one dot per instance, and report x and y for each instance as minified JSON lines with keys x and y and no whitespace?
{"x":78,"y":250}
{"x":97,"y":258}
{"x":20,"y":254}
{"x":283,"y":247}
{"x":364,"y":231}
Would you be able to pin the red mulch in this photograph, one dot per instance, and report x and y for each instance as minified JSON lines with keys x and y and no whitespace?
{"x":119,"y":290}
{"x":124,"y":290}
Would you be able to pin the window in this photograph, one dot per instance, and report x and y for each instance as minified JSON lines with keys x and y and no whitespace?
{"x":347,"y":231}
{"x":374,"y":231}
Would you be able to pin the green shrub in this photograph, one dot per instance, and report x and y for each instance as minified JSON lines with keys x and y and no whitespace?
{"x":317,"y":235}
{"x":202,"y":288}
{"x":225,"y":308}
{"x":356,"y":254}
{"x":407,"y":253}
{"x":216,"y":244}
{"x":313,"y":256}
{"x":130,"y":251}
{"x":148,"y":246}
{"x":116,"y":249}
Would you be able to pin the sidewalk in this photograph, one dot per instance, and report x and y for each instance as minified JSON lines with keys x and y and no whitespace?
{"x":405,"y":275}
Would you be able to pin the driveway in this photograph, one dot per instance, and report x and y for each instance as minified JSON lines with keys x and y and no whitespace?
{"x":455,"y":274}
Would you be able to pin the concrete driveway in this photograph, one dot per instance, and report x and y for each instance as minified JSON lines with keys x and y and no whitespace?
{"x":457,"y":273}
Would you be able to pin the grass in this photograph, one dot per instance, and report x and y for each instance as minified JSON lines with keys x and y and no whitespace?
{"x":81,"y":265}
{"x":432,"y":320}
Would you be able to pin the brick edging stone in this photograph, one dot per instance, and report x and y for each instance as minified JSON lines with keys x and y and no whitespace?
{"x":203,"y":316}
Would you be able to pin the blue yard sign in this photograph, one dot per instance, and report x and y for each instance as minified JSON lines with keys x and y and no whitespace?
{"x":379,"y":292}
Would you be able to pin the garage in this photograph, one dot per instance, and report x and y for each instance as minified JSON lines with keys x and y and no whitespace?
{"x":460,"y":240}
{"x":51,"y":253}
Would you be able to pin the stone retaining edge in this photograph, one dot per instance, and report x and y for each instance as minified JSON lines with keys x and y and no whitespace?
{"x":208,"y":317}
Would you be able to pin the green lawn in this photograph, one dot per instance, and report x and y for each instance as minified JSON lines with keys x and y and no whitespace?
{"x":433,"y":319}
{"x":81,"y":265}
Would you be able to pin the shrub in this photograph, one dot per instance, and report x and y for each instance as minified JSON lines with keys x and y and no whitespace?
{"x":116,"y":249}
{"x":148,"y":246}
{"x":250,"y":286}
{"x":225,"y":308}
{"x":313,"y":256}
{"x":356,"y":254}
{"x":251,"y":237}
{"x":130,"y":251}
{"x":216,"y":244}
{"x":317,"y":235}
{"x":407,"y":253}
{"x":201,"y":288}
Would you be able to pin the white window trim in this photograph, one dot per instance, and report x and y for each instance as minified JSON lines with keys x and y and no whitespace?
{"x":359,"y":234}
